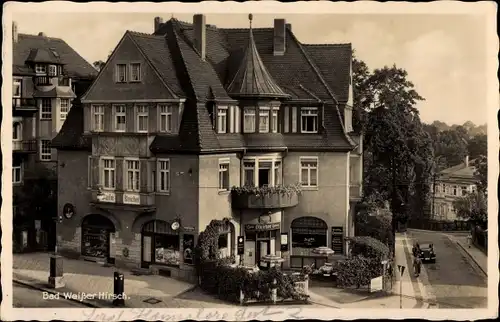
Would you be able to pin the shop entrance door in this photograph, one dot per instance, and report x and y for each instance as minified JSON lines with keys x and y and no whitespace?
{"x":263,"y":249}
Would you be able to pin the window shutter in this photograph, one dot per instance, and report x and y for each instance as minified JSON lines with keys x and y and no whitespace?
{"x":87,"y":118}
{"x":143,"y":176}
{"x":109,"y":118}
{"x":175,"y":118}
{"x":153,"y":118}
{"x":120,"y":172}
{"x":96,"y":171}
{"x":130,"y":117}
{"x":294,"y":119}
{"x":151,"y":175}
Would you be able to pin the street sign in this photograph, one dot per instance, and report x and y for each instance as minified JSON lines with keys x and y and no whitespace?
{"x":401,"y":269}
{"x":376,"y":284}
{"x":241,"y":246}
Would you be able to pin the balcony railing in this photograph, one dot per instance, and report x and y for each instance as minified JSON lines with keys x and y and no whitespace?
{"x":18,"y":102}
{"x":28,"y":146}
{"x":355,"y":191}
{"x":42,"y":80}
{"x":265,"y":197}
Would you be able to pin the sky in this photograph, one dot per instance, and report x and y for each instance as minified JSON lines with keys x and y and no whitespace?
{"x":444,"y":54}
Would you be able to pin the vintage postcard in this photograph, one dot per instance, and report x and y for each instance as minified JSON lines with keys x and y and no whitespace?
{"x":249,"y":161}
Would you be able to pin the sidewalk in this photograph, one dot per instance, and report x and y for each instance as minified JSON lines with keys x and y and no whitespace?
{"x":474,"y":253}
{"x":91,"y":278}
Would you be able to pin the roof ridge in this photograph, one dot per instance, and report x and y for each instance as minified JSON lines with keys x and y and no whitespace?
{"x":42,"y":37}
{"x":328,"y":45}
{"x":143,"y":34}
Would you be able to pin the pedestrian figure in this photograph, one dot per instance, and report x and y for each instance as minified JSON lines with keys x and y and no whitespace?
{"x":417,"y":265}
{"x":469,"y":239}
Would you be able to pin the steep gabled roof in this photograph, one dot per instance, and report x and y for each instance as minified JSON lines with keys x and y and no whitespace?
{"x":45,"y":48}
{"x":459,"y":171}
{"x":71,"y":137}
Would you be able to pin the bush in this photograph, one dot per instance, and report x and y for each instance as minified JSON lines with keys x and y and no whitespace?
{"x":368,"y":247}
{"x":357,"y":271}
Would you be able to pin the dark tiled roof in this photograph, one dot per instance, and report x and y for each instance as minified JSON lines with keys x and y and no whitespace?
{"x":42,"y":55}
{"x":334,"y":64}
{"x":56,"y":91}
{"x":70,"y":136}
{"x":202,"y":81}
{"x":75,"y":65}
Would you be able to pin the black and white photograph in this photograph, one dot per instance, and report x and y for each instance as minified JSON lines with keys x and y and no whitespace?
{"x":249,"y":161}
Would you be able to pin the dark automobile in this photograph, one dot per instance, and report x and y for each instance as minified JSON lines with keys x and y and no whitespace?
{"x":427,"y":253}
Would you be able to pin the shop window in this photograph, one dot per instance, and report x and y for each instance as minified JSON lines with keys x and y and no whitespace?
{"x":188,"y":246}
{"x":161,"y":245}
{"x":308,"y":233}
{"x":96,"y":231}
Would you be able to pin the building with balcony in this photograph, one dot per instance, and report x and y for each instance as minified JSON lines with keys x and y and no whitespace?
{"x":194,"y":123}
{"x":48,"y":77}
{"x":451,"y":184}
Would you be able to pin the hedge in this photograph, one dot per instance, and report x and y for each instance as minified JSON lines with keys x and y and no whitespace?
{"x":357,"y":271}
{"x":368,"y":247}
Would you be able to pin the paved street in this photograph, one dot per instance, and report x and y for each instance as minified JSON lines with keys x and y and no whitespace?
{"x":28,"y":297}
{"x":455,"y":281}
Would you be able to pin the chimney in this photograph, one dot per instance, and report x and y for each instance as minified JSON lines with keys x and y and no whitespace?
{"x":288,"y":26}
{"x":279,"y":37}
{"x":466,"y":161}
{"x":158,"y":22}
{"x":200,"y":39}
{"x":14,"y":32}
{"x":41,"y":34}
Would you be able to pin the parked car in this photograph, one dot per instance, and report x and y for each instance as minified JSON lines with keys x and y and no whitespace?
{"x":427,"y":253}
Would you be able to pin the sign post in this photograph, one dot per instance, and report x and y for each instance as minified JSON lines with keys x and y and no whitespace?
{"x":241,"y":248}
{"x":401,"y":269}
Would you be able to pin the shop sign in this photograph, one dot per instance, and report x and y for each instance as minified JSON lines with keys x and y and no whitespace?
{"x":338,"y":240}
{"x":107,"y":196}
{"x":188,"y":228}
{"x":284,"y":242}
{"x":263,"y":227}
{"x":376,"y":284}
{"x":131,"y":199}
{"x":241,"y":245}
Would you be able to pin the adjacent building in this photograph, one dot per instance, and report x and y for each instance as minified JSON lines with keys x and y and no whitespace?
{"x":451,"y":184}
{"x":48,"y":77}
{"x":179,"y":117}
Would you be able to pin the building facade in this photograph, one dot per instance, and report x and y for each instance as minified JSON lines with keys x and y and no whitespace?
{"x":451,"y":184}
{"x":48,"y":78}
{"x":178,"y":121}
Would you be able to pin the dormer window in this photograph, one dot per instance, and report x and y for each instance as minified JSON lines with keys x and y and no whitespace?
{"x":309,"y":119}
{"x":54,"y":52}
{"x":40,"y":69}
{"x":222,"y":119}
{"x":121,"y":73}
{"x":264,"y":120}
{"x":249,"y":120}
{"x":52,"y":70}
{"x":16,"y":88}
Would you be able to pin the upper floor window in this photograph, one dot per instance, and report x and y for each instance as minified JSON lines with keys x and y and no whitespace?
{"x":163,"y":175}
{"x":455,"y":192}
{"x":120,"y":118}
{"x":224,"y":174}
{"x":249,"y":120}
{"x":264,"y":120}
{"x":98,"y":118}
{"x":142,"y":118}
{"x":17,"y":172}
{"x":309,"y":171}
{"x":249,"y":174}
{"x":45,"y":150}
{"x":121,"y":73}
{"x":46,"y":112}
{"x":464,"y":190}
{"x":274,"y":122}
{"x":108,"y":173}
{"x":261,"y":172}
{"x":222,"y":119}
{"x":309,"y":119}
{"x":17,"y":134}
{"x":135,"y":72}
{"x":64,"y":108}
{"x":16,"y":88}
{"x":40,"y":69}
{"x":443,"y":189}
{"x":52,"y":70}
{"x":165,"y":118}
{"x":132,"y":179}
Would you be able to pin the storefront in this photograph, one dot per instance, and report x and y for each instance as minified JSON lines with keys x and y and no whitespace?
{"x":262,"y":237}
{"x":97,"y":232}
{"x":160,"y":244}
{"x":307,"y":233}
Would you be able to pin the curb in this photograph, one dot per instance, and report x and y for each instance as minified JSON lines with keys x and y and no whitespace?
{"x":470,"y":257}
{"x":438,"y":231}
{"x":52,"y":291}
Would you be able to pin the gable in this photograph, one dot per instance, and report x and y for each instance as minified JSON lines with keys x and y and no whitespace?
{"x":105,"y":87}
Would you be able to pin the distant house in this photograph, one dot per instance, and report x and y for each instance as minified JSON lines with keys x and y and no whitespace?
{"x":453,"y":183}
{"x":48,"y":78}
{"x":177,"y":118}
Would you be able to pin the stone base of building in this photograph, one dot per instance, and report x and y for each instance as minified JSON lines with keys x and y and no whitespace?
{"x":56,"y":282}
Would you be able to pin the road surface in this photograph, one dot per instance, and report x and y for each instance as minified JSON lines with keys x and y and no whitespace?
{"x":453,"y":279}
{"x":27,"y":297}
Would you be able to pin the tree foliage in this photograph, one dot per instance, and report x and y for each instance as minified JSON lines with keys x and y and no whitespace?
{"x":472,"y":206}
{"x":369,"y":222}
{"x":397,"y":150}
{"x":481,"y":173}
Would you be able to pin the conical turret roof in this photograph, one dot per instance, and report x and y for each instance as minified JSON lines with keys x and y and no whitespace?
{"x":253,"y":80}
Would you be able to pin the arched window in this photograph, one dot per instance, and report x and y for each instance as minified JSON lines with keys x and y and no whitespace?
{"x":308,"y":233}
{"x":17,"y":134}
{"x":96,"y":231}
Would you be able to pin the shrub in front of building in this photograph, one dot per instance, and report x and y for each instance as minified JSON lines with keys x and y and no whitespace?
{"x":219,"y":277}
{"x":357,"y":271}
{"x":368,"y":247}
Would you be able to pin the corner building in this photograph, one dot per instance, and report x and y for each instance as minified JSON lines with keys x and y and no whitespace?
{"x":177,"y":118}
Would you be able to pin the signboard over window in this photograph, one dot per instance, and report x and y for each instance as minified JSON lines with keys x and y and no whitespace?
{"x":131,"y":199}
{"x":263,"y":227}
